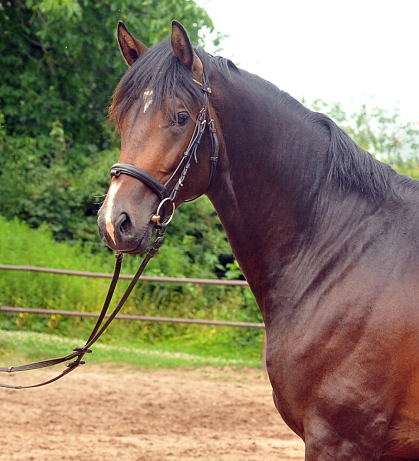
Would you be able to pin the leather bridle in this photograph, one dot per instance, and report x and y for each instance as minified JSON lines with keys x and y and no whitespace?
{"x":161,"y":220}
{"x":162,"y":190}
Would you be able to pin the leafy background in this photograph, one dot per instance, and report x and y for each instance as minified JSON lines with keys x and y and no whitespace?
{"x":60,"y":63}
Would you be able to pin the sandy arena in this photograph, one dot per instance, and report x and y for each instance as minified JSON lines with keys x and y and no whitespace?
{"x":101,"y":413}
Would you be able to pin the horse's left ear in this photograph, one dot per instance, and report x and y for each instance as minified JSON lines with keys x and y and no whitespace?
{"x":181,"y":46}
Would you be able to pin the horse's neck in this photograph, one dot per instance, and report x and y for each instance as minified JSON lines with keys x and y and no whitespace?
{"x":278,"y":242}
{"x":251,"y":190}
{"x":266,"y":191}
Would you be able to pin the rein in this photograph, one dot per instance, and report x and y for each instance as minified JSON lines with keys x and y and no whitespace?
{"x":161,"y":221}
{"x":79,"y":352}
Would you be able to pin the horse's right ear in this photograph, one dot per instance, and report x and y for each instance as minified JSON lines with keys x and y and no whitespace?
{"x":130,"y":47}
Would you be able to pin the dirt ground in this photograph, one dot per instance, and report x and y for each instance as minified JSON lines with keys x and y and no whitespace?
{"x":126,"y":414}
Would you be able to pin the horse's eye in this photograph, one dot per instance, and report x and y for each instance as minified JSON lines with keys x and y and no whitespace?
{"x":182,"y":118}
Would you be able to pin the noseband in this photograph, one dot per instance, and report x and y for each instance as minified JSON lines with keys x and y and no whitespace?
{"x":162,"y":190}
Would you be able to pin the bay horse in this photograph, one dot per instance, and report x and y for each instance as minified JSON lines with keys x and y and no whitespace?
{"x":326,"y":236}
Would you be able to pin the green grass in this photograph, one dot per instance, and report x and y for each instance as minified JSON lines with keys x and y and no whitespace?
{"x":27,"y":337}
{"x":147,"y":344}
{"x":23,"y":346}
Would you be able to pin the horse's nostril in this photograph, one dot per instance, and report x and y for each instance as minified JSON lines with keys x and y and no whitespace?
{"x":125,"y":225}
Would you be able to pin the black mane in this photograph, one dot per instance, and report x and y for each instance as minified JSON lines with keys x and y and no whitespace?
{"x":348,"y":165}
{"x":354,"y":168}
{"x":159,"y":71}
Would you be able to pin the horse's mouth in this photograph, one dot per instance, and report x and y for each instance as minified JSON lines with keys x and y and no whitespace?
{"x":136,"y":244}
{"x":142,"y":246}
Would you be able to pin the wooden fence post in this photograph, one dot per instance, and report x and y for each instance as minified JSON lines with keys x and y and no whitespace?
{"x":263,"y":366}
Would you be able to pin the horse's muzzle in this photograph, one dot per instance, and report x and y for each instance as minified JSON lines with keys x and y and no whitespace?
{"x":121,"y":234}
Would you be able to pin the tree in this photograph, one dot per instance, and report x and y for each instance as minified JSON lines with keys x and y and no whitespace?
{"x":60,"y":61}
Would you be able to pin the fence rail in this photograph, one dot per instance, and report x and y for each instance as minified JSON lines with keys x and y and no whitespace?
{"x":144,"y":278}
{"x":135,"y":317}
{"x":32,"y":310}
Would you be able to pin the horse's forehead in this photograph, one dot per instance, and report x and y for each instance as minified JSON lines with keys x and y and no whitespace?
{"x":145,"y":114}
{"x":141,"y":117}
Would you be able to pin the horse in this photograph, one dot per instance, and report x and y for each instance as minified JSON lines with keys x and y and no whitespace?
{"x":326,"y":236}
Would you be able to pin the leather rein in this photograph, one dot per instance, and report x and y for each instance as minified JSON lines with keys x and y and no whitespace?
{"x":161,"y":219}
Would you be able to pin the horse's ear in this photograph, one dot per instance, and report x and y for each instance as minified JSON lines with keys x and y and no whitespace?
{"x":130,"y":47}
{"x":181,"y":46}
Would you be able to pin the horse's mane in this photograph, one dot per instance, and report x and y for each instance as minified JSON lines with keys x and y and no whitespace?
{"x":160,"y":72}
{"x":354,"y":168}
{"x":347,"y":164}
{"x":350,"y":166}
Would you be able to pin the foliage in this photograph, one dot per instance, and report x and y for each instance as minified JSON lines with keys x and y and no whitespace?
{"x":60,"y":64}
{"x":39,"y":190}
{"x":60,"y":60}
{"x":376,"y":130}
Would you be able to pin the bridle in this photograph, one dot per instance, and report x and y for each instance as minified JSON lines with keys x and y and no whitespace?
{"x":161,"y":220}
{"x":162,"y":190}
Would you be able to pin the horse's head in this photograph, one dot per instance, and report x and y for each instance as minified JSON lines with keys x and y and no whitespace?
{"x":161,"y":106}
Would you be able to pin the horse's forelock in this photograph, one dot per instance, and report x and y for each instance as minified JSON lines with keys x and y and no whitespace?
{"x":157,"y":72}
